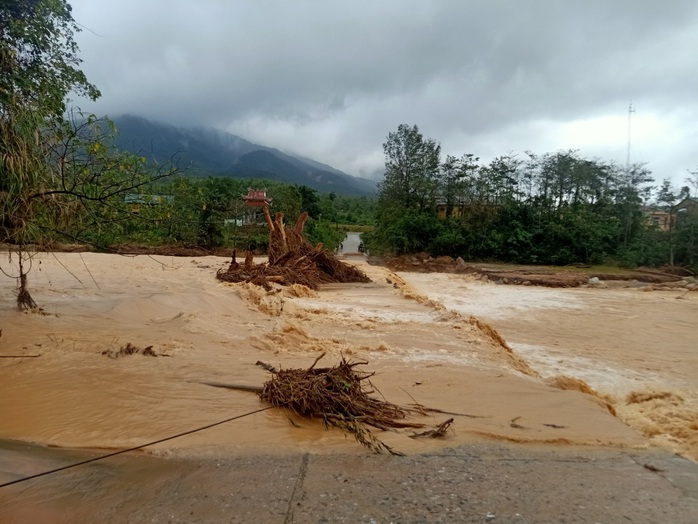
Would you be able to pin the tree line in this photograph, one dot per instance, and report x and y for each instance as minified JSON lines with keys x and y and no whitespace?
{"x":211,"y":213}
{"x":555,"y":208}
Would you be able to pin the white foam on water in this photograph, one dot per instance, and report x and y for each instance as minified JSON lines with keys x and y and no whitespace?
{"x":598,"y":374}
{"x":456,"y":293}
{"x":355,"y":311}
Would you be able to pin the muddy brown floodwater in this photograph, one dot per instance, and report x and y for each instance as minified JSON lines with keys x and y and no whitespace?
{"x":639,"y":348}
{"x":427,"y":337}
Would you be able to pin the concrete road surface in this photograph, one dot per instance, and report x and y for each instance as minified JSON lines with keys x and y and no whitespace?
{"x":478,"y":483}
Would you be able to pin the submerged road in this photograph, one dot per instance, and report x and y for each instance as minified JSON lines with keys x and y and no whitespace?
{"x":350,"y":244}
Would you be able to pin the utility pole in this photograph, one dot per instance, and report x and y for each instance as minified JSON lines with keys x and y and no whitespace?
{"x":630,"y":112}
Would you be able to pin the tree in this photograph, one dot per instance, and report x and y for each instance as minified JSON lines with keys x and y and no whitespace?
{"x":407,"y":195}
{"x":54,"y":168}
{"x":39,"y":57}
{"x":412,"y":166}
{"x":38,"y":68}
{"x":686,"y":218}
{"x":666,"y":198}
{"x":455,"y":180}
{"x":310,"y":201}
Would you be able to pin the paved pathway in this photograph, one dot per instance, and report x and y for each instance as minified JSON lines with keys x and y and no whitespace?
{"x":478,"y":483}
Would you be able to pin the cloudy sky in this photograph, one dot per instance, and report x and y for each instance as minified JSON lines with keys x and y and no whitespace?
{"x":330,"y":79}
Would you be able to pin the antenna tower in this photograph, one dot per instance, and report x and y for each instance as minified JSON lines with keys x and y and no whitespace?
{"x":630,"y":112}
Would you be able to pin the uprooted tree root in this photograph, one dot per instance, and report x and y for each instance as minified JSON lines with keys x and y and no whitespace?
{"x":340,"y":396}
{"x":292,"y":260}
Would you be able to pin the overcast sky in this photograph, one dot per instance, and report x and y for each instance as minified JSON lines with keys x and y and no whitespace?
{"x":330,"y":79}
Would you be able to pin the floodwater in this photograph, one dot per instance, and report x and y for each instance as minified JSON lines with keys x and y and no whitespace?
{"x":639,"y":348}
{"x":429,"y":338}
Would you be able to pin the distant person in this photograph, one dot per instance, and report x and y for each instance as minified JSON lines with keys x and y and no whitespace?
{"x":361,"y":247}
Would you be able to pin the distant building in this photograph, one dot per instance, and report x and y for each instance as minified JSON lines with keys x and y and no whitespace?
{"x":136,"y":200}
{"x":688,"y":207}
{"x":665,"y":220}
{"x":460,"y":204}
{"x":256,"y":198}
{"x":658,"y":219}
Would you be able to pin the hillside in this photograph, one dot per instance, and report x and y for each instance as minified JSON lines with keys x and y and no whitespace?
{"x":212,"y":152}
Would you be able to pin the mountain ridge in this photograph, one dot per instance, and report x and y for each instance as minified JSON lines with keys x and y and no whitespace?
{"x":213,"y":152}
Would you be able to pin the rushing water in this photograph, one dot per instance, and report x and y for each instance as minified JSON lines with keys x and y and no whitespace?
{"x":641,"y":348}
{"x":75,"y":395}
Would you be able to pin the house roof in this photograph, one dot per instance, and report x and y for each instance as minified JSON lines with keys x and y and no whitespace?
{"x":686,"y":203}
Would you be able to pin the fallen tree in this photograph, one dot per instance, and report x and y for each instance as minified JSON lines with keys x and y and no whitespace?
{"x":292,"y":260}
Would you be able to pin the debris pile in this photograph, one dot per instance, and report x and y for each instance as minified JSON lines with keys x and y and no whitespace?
{"x":292,"y":260}
{"x":340,"y":397}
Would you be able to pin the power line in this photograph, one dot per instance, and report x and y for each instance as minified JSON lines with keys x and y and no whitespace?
{"x":102,"y":457}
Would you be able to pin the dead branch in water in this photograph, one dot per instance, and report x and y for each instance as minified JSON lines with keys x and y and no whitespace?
{"x":237,"y":387}
{"x":268,"y":367}
{"x":339,"y":397}
{"x":130,"y":349}
{"x":439,"y":432}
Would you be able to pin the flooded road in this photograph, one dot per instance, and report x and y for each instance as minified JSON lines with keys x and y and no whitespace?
{"x":415,"y":331}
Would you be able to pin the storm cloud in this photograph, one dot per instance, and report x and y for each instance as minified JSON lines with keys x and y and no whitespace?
{"x":330,"y":79}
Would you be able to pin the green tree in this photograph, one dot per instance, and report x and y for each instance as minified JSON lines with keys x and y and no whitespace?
{"x":407,"y":194}
{"x":38,"y":68}
{"x":455,"y":177}
{"x":54,"y":168}
{"x":666,"y":198}
{"x":310,"y":201}
{"x":412,"y":165}
{"x":39,"y":57}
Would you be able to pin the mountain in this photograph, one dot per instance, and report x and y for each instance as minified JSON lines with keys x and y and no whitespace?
{"x":212,"y":152}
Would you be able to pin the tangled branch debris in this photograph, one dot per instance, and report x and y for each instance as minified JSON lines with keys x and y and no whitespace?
{"x":292,"y":260}
{"x":340,"y":396}
{"x":130,"y":349}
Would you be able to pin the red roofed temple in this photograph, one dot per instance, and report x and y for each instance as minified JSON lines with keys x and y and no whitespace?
{"x":256,"y":198}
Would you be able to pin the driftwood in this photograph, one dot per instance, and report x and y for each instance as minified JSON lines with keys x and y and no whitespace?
{"x":237,"y":387}
{"x":291,"y":260}
{"x":439,"y":432}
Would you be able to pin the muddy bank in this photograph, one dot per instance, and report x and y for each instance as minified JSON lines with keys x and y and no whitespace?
{"x":174,"y":250}
{"x":548,"y":276}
